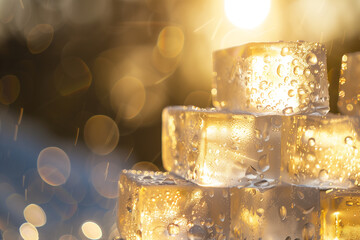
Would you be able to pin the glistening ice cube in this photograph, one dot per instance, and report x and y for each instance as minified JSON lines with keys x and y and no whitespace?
{"x":349,"y":88}
{"x":283,"y":78}
{"x":321,"y":151}
{"x":340,"y":211}
{"x":282,"y":212}
{"x":156,"y":206}
{"x":213,"y":148}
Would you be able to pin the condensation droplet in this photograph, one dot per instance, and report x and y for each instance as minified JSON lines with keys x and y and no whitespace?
{"x":308,"y":231}
{"x":284,"y":51}
{"x":222,"y":217}
{"x":293,"y":83}
{"x":267,"y":59}
{"x":263,"y":85}
{"x":310,"y":157}
{"x":288,"y":111}
{"x":307,"y":72}
{"x":349,"y":140}
{"x":173,"y":229}
{"x":311,"y":142}
{"x":196,"y":232}
{"x":260,"y":212}
{"x":349,"y":203}
{"x":297,"y":71}
{"x":291,"y":93}
{"x":323,"y":175}
{"x":262,"y":183}
{"x":342,"y":81}
{"x":311,"y":59}
{"x":264,"y":164}
{"x":283,"y":212}
{"x":300,"y":195}
{"x":250,"y":173}
{"x":281,"y":70}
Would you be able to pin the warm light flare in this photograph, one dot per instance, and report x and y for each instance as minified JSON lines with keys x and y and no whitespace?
{"x":247,"y":14}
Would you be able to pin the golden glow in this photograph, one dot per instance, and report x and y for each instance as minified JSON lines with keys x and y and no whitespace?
{"x":53,"y":166}
{"x":101,"y":134}
{"x":9,"y":89}
{"x":247,"y":14}
{"x":35,"y":215}
{"x":145,"y":166}
{"x":91,"y":230}
{"x":28,"y":232}
{"x":40,"y":38}
{"x":170,"y":41}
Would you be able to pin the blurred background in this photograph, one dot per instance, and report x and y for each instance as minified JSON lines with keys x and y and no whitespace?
{"x":83,"y":84}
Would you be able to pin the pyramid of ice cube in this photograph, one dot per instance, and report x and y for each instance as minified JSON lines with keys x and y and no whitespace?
{"x":267,"y":163}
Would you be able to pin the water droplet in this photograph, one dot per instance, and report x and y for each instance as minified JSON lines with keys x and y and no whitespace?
{"x":222,"y":217}
{"x":288,"y":111}
{"x":168,"y":181}
{"x":349,"y":203}
{"x":263,"y":85}
{"x":311,"y":142}
{"x":282,"y":212}
{"x":308,"y":231}
{"x":295,"y":62}
{"x":297,"y":71}
{"x":138,"y":234}
{"x":349,"y":107}
{"x":264,"y":164}
{"x":173,"y":229}
{"x":281,"y":70}
{"x":307,"y":211}
{"x":342,"y":80}
{"x":276,"y":121}
{"x":251,"y":173}
{"x":323,"y":175}
{"x":341,"y":94}
{"x":196,"y":232}
{"x":293,"y":83}
{"x":301,"y":91}
{"x":311,"y":59}
{"x":260,"y":212}
{"x":284,"y":51}
{"x":307,"y":72}
{"x":291,"y":93}
{"x":349,"y":140}
{"x":288,"y":238}
{"x":300,"y":195}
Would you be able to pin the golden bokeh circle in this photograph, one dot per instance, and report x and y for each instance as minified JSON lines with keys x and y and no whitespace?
{"x":35,"y":215}
{"x":91,"y":230}
{"x":145,"y":166}
{"x":28,"y":231}
{"x":170,"y":41}
{"x":40,"y":38}
{"x":101,"y":134}
{"x":9,"y":89}
{"x":53,"y":166}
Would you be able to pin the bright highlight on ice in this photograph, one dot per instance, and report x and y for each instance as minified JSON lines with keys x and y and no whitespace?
{"x":247,"y":14}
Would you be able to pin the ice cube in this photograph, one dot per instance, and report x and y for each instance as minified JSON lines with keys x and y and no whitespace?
{"x":349,"y":88}
{"x":156,"y":205}
{"x":283,"y":78}
{"x":340,"y":211}
{"x":321,"y":151}
{"x":282,"y":212}
{"x":214,"y":148}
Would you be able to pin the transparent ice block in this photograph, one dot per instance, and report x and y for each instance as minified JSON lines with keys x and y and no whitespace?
{"x":349,"y":88}
{"x":280,"y":213}
{"x":321,"y":151}
{"x":283,"y":78}
{"x":213,"y":148}
{"x":340,"y":214}
{"x":156,"y":206}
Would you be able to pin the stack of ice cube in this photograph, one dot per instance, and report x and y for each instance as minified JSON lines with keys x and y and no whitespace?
{"x":267,"y":163}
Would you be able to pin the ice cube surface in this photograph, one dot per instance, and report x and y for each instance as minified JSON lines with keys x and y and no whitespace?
{"x":156,"y":205}
{"x":340,"y":214}
{"x":321,"y":151}
{"x":217,"y":148}
{"x":349,"y":87}
{"x":282,"y":212}
{"x":284,"y":78}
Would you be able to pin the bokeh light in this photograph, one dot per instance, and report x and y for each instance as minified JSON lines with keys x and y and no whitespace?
{"x":145,"y":166}
{"x":11,"y":234}
{"x":104,"y":177}
{"x":28,"y":232}
{"x":35,"y":215}
{"x":53,"y":166}
{"x":247,"y":14}
{"x":171,"y":41}
{"x":127,"y":97}
{"x":72,"y":76}
{"x":101,"y":134}
{"x":91,"y":230}
{"x":9,"y":89}
{"x":40,"y":38}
